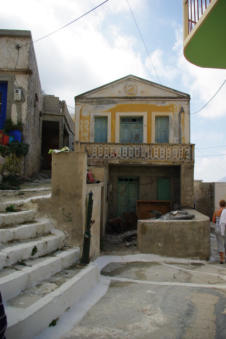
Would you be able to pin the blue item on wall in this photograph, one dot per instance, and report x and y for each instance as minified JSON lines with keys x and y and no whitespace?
{"x":16,"y":135}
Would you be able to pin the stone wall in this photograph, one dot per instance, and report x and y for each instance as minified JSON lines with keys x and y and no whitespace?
{"x":177,"y":238}
{"x":204,"y":197}
{"x":101,"y":174}
{"x":69,"y":193}
{"x":219,"y":193}
{"x":68,"y":205}
{"x":32,"y":128}
{"x":187,"y":185}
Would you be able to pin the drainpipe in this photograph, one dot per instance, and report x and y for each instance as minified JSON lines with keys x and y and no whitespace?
{"x":180,"y":127}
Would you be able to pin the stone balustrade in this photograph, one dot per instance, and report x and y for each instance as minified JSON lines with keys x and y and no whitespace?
{"x":142,"y":152}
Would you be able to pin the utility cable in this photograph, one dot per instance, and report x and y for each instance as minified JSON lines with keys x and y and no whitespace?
{"x":57,"y":30}
{"x":141,"y":37}
{"x":218,"y":90}
{"x":71,"y":22}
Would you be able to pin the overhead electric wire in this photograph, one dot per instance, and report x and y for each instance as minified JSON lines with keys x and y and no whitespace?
{"x":142,"y":38}
{"x":218,"y":90}
{"x":71,"y":22}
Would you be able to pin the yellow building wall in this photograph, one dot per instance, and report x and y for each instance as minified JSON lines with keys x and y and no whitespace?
{"x":151,"y":110}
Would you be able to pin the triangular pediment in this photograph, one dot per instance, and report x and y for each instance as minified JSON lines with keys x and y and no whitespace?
{"x":132,"y":86}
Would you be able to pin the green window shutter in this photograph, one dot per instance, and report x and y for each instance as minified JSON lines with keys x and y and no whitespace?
{"x":162,"y":129}
{"x":100,"y":129}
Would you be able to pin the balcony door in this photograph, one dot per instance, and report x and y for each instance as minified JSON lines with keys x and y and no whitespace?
{"x":162,"y":129}
{"x":131,"y":130}
{"x":3,"y":103}
{"x":100,"y":129}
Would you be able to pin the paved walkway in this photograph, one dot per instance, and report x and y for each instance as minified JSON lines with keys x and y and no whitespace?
{"x":148,"y":296}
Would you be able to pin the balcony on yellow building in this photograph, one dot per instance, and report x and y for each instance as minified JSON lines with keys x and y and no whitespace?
{"x":137,"y":153}
{"x":205,"y":32}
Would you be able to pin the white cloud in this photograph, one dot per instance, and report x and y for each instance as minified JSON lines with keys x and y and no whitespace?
{"x":159,"y":68}
{"x":210,"y":168}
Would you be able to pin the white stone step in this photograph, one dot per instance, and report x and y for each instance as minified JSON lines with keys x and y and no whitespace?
{"x":18,"y":278}
{"x":32,"y":249}
{"x":26,"y":231}
{"x":29,"y":314}
{"x":15,"y":218}
{"x":22,"y":202}
{"x":23,"y":193}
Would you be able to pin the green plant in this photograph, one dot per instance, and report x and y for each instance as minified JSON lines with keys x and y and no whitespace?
{"x":10,"y":182}
{"x":34,"y":250}
{"x":10,"y":126}
{"x":4,"y":150}
{"x":18,"y":126}
{"x":11,"y":208}
{"x":53,"y":322}
{"x":18,"y":148}
{"x":15,"y":147}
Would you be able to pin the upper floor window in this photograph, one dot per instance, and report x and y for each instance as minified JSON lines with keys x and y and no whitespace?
{"x":131,"y":130}
{"x":162,"y":129}
{"x":100,"y":129}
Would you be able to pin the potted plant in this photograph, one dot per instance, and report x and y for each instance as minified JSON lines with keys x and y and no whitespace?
{"x":13,"y":131}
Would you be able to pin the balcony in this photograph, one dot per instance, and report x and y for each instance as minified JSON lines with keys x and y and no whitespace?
{"x":136,"y":153}
{"x":204,"y":32}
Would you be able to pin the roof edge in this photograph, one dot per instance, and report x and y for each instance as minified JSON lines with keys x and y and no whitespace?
{"x":134,"y":77}
{"x":15,"y":33}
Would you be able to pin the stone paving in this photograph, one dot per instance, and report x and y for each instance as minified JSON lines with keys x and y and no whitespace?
{"x":148,"y":296}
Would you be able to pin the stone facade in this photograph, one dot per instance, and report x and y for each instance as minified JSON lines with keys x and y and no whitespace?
{"x":106,"y":114}
{"x":18,"y":68}
{"x":19,"y":71}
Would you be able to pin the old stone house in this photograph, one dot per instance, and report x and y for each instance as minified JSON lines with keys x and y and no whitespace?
{"x":45,"y":119}
{"x":137,"y":137}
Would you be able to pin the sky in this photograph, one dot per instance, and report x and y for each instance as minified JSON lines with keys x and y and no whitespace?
{"x":121,"y":37}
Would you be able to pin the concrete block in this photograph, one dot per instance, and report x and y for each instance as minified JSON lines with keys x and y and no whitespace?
{"x":28,"y":322}
{"x":15,"y":282}
{"x":176,"y":238}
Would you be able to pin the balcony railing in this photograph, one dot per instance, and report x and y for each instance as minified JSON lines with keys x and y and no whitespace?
{"x":141,"y":152}
{"x":193,"y":10}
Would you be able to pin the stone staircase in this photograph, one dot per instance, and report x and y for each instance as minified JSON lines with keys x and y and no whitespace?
{"x":39,"y":276}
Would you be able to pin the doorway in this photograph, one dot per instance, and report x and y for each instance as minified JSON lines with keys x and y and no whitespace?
{"x":128,"y":194}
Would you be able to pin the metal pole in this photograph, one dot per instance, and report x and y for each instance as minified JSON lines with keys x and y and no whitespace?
{"x":87,"y":235}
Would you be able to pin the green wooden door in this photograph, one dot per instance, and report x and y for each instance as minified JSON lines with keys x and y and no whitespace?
{"x":100,"y":129}
{"x":131,"y":130}
{"x":163,"y":189}
{"x":162,"y":129}
{"x":128,"y":191}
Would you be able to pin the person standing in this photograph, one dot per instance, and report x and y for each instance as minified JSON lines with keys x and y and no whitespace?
{"x":218,"y":229}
